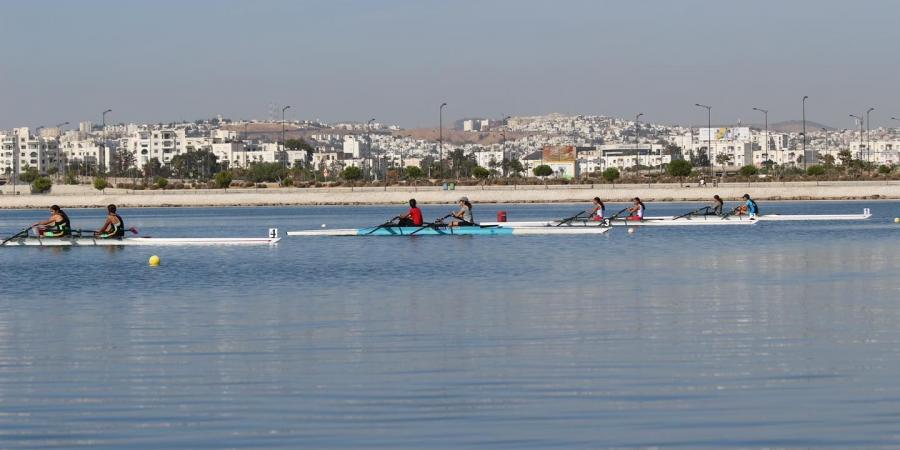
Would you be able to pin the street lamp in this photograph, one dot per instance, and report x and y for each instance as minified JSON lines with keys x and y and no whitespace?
{"x":868,"y":150}
{"x":103,"y":115}
{"x":637,"y":140}
{"x":441,"y":137}
{"x":804,"y":130}
{"x":369,"y":141}
{"x":708,"y":133}
{"x":283,"y":151}
{"x":860,"y":120}
{"x":59,"y":166}
{"x":825,"y":130}
{"x":766,"y":115}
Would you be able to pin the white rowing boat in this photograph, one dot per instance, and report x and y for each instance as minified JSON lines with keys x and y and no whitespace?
{"x":451,"y":231}
{"x":90,"y":241}
{"x":687,"y":220}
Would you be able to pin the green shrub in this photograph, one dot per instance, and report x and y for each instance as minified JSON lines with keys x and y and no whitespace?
{"x":543,"y":170}
{"x":611,"y":174}
{"x":748,"y":171}
{"x":41,"y":185}
{"x":815,"y":171}
{"x":480,"y":172}
{"x":680,"y":168}
{"x":161,"y":182}
{"x":223,"y":179}
{"x":351,"y":173}
{"x":100,"y":183}
{"x":884,"y":170}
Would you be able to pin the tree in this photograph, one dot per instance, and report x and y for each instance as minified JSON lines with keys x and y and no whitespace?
{"x":611,"y":174}
{"x":748,"y":171}
{"x":223,"y":179}
{"x":481,"y":172}
{"x":195,"y":164}
{"x":152,"y":167}
{"x":845,"y":157}
{"x":828,"y":160}
{"x":29,"y":174}
{"x":351,"y":173}
{"x":414,"y":172}
{"x":723,"y":159}
{"x":701,"y":159}
{"x":679,"y":168}
{"x":298,"y":144}
{"x":815,"y":171}
{"x":100,"y":183}
{"x":514,"y":167}
{"x":543,"y":170}
{"x":41,"y":185}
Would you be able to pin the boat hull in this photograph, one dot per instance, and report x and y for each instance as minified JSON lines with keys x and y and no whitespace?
{"x":451,"y":231}
{"x":134,"y":241}
{"x":689,"y":220}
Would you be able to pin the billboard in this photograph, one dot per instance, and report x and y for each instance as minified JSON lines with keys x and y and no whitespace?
{"x":725,"y":134}
{"x":559,"y":154}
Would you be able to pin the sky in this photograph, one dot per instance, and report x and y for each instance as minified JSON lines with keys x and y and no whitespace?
{"x":397,"y":61}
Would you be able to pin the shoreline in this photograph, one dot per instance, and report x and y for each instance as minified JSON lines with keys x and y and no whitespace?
{"x":87,"y":197}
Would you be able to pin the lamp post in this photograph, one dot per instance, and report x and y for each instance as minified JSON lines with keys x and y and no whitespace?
{"x":804,"y":130}
{"x":441,"y":137}
{"x":59,"y":165}
{"x":825,"y":130}
{"x":708,"y":134}
{"x":103,"y":118}
{"x":637,"y":141}
{"x":283,"y":151}
{"x":860,"y":120}
{"x":766,"y":115}
{"x":369,"y":144}
{"x":868,"y":149}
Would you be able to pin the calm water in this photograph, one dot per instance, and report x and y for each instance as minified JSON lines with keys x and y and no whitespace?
{"x":778,"y":334}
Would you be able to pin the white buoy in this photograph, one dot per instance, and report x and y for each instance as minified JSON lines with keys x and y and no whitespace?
{"x":630,"y":230}
{"x":323,"y":225}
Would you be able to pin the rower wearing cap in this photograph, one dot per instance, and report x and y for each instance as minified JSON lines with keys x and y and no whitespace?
{"x":413,"y":217}
{"x":599,"y":211}
{"x":463,"y":214}
{"x":636,"y":212}
{"x":57,"y":225}
{"x":749,"y":207}
{"x":114,"y":227}
{"x":717,"y":205}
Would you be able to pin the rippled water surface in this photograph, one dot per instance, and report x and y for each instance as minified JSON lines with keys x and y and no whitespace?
{"x":772,"y":335}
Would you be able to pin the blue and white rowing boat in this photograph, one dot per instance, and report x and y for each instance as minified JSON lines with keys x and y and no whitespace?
{"x":450,"y":231}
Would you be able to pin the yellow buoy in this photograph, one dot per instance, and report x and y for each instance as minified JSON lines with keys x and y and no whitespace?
{"x":896,"y":219}
{"x":154,"y":261}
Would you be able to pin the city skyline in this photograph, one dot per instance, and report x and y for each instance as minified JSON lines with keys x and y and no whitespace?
{"x":398,"y":61}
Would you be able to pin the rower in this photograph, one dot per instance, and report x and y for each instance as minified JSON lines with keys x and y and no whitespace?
{"x":636,"y":212}
{"x":599,"y":211}
{"x":413,"y":217}
{"x":114,"y":227}
{"x":57,"y":225}
{"x":749,"y":207}
{"x":717,"y":205}
{"x":463,"y":214}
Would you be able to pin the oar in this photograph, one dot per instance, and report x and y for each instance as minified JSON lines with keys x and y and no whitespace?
{"x":731,"y":213}
{"x":388,"y":223}
{"x":608,"y":221}
{"x":24,"y":230}
{"x":432,"y":224}
{"x":694,"y":212}
{"x":567,"y":220}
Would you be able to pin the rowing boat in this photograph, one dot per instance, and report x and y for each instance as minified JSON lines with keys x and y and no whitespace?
{"x":90,"y":241}
{"x":647,"y":222}
{"x":451,"y":231}
{"x":687,"y":220}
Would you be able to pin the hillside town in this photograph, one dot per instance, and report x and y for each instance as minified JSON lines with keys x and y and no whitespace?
{"x":572,"y":146}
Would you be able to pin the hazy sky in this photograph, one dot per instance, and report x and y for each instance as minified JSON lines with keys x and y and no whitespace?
{"x":398,"y":60}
